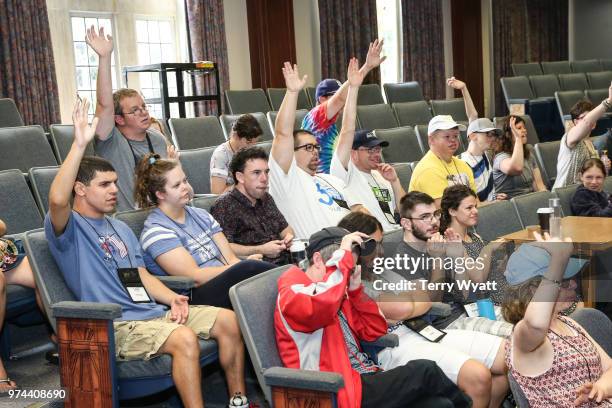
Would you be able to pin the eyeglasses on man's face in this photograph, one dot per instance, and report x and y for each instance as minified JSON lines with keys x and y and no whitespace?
{"x":371,"y":150}
{"x":427,"y":217}
{"x":141,"y":110}
{"x":309,"y":147}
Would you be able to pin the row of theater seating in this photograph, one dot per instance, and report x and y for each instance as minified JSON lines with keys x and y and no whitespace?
{"x":561,"y":67}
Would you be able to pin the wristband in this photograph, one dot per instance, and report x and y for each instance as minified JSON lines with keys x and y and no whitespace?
{"x":606,"y":104}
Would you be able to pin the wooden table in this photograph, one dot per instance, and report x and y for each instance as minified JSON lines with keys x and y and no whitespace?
{"x":589,"y":234}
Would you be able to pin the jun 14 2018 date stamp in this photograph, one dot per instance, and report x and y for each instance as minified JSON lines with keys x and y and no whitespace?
{"x":36,"y":394}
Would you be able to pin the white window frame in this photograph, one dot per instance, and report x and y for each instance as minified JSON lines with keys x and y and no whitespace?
{"x":398,"y":50}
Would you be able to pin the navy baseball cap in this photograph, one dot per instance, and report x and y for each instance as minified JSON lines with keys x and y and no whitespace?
{"x":325,"y":237}
{"x":327,"y":87}
{"x":367,"y":138}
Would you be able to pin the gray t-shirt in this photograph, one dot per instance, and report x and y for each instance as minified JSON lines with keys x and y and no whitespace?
{"x":513,"y":185}
{"x":219,"y":163}
{"x":116,"y":149}
{"x":422,"y":272}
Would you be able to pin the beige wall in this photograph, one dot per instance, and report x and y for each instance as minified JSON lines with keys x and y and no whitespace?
{"x":307,"y":39}
{"x":123,"y":13}
{"x":237,"y":38}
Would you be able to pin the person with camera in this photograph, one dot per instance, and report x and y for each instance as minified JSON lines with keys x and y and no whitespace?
{"x":322,"y":313}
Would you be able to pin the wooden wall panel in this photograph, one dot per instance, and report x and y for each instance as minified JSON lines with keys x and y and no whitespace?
{"x":271,"y":40}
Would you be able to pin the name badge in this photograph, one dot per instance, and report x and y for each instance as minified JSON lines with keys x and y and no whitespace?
{"x":425,"y":329}
{"x":382,"y":194}
{"x":130,"y":279}
{"x":341,"y":203}
{"x":471,"y":309}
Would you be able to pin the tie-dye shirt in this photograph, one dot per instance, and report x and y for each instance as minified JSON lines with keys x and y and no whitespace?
{"x":326,"y":132}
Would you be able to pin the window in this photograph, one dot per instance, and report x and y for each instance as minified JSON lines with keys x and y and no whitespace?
{"x":155,"y":43}
{"x":389,"y":28}
{"x":86,"y":59}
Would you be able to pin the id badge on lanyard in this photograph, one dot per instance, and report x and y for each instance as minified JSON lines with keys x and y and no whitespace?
{"x":425,"y":329}
{"x":130,"y":278}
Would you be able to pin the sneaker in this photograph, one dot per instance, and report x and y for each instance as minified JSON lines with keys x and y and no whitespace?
{"x":239,"y":401}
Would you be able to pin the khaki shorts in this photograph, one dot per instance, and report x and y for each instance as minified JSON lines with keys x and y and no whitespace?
{"x":142,"y":339}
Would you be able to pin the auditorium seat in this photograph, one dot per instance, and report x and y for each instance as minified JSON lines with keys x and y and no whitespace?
{"x":527,"y":205}
{"x":599,"y":80}
{"x":24,"y":147}
{"x":204,"y":201}
{"x":311,"y":92}
{"x":40,"y":181}
{"x":573,"y":82}
{"x":195,"y":133}
{"x":134,"y":219}
{"x":526,"y":69}
{"x":403,"y":146}
{"x":227,"y":121}
{"x":276,"y":96}
{"x":412,"y":113}
{"x":606,"y":64}
{"x":403,"y":92}
{"x":497,"y":219}
{"x":404,"y":173}
{"x":246,"y":101}
{"x":62,"y":137}
{"x":196,"y":164}
{"x":546,"y":155}
{"x":544,"y":86}
{"x":299,"y":117}
{"x":556,"y":67}
{"x":565,"y":101}
{"x":454,"y":107}
{"x":369,"y":94}
{"x":9,"y":114}
{"x":591,"y":65}
{"x":379,"y":116}
{"x":18,"y":208}
{"x":565,"y":195}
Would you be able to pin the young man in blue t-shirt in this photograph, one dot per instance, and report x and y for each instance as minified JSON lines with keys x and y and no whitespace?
{"x":93,"y":251}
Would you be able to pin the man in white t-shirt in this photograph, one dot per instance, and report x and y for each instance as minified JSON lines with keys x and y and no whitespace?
{"x":357,"y":161}
{"x":309,"y":201}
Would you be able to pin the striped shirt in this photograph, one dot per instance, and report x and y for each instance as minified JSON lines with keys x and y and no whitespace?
{"x":483,"y":175}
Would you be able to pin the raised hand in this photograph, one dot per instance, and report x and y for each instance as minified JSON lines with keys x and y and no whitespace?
{"x":387,"y":171}
{"x":102,"y":44}
{"x":292,"y":78}
{"x":515,"y":132}
{"x":354,"y":76}
{"x":373,"y":59}
{"x":172,"y":153}
{"x":455,"y":83}
{"x":436,"y":246}
{"x":554,"y":245}
{"x":83,"y":131}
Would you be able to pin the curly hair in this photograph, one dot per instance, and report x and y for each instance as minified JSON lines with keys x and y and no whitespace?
{"x":151,"y":178}
{"x":247,"y":127}
{"x":451,"y":199}
{"x":505,"y":142}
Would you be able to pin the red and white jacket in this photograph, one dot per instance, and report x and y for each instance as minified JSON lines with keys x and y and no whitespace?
{"x":308,"y":332}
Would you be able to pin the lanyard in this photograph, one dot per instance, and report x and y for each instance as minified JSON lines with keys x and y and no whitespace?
{"x":105,"y":246}
{"x":136,"y":158}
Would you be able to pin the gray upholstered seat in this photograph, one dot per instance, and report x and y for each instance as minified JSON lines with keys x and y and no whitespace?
{"x":565,"y":195}
{"x":276,"y":95}
{"x":412,"y":113}
{"x":421,"y":132}
{"x":24,"y":147}
{"x":18,"y":208}
{"x":565,"y":101}
{"x":9,"y":114}
{"x":527,"y":206}
{"x":591,"y":65}
{"x":247,"y":101}
{"x":454,"y":107}
{"x":573,"y":82}
{"x":379,"y":116}
{"x":62,"y":137}
{"x":403,"y":92}
{"x":134,"y":219}
{"x":194,"y":133}
{"x":40,"y":180}
{"x":546,"y":156}
{"x":599,"y":80}
{"x":403,"y":146}
{"x":544,"y":86}
{"x":299,"y":117}
{"x":196,"y":164}
{"x":497,"y":219}
{"x":227,"y":121}
{"x":556,"y":67}
{"x":205,"y":201}
{"x":526,"y":69}
{"x":369,"y":94}
{"x":404,"y":173}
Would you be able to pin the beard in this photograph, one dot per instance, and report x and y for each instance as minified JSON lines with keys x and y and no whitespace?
{"x":419,"y":234}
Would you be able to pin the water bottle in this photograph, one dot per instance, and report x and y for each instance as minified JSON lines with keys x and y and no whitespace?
{"x":555,"y":217}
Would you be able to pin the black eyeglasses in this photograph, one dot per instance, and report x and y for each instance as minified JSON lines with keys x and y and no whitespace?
{"x":138,"y":111}
{"x":427,"y":217}
{"x":309,"y":147}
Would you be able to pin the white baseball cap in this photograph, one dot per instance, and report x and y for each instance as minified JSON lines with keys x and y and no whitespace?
{"x":443,"y":122}
{"x":483,"y":125}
